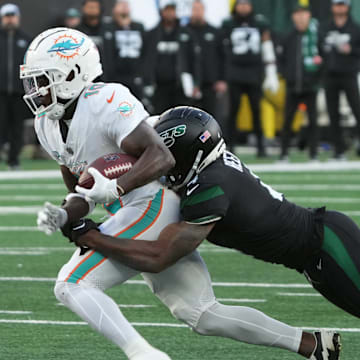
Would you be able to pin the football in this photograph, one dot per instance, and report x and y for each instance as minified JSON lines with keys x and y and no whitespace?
{"x":111,"y":166}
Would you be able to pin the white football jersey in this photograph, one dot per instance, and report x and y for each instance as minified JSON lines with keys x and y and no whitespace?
{"x":105,"y":114}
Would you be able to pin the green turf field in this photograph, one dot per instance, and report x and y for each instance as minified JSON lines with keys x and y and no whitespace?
{"x":34,"y":326}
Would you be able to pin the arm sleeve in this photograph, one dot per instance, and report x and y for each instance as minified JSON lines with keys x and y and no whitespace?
{"x":204,"y":205}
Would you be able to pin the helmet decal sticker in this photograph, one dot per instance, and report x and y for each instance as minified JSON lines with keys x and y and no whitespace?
{"x":169,"y":135}
{"x":66,"y":46}
{"x":205,"y":136}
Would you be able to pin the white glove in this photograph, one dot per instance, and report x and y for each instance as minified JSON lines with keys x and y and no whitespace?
{"x":51,"y":218}
{"x":103,"y":190}
{"x":271,"y":81}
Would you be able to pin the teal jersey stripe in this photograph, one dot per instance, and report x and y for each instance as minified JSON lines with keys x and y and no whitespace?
{"x":150,"y":215}
{"x":205,"y":195}
{"x":113,"y":207}
{"x":92,"y":261}
{"x":335,"y":248}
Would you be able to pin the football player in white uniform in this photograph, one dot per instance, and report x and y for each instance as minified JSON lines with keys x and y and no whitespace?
{"x":77,"y":121}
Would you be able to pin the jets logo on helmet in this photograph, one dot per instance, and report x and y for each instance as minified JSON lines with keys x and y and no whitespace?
{"x":58,"y":65}
{"x":66,"y":46}
{"x":194,"y":138}
{"x":170,"y":135}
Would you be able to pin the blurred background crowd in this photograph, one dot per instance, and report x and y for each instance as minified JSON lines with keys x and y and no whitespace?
{"x":275,"y":73}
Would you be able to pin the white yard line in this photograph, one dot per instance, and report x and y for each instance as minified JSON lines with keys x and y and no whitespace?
{"x":142,"y":282}
{"x":18,"y":228}
{"x":136,"y":306}
{"x":35,"y":174}
{"x":15,"y":312}
{"x":243,"y":300}
{"x":32,"y":187}
{"x":143,"y":324}
{"x":329,"y":200}
{"x":25,"y":253}
{"x":30,"y":210}
{"x":25,"y":198}
{"x":297,"y":294}
{"x":316,"y":187}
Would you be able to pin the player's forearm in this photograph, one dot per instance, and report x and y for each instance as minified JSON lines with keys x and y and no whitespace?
{"x":76,"y":208}
{"x":139,"y":255}
{"x":154,"y":162}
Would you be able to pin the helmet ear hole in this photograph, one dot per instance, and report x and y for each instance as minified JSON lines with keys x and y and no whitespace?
{"x":78,"y":68}
{"x":71,"y":76}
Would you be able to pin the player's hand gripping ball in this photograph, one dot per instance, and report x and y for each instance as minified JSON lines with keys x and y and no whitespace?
{"x":98,"y":181}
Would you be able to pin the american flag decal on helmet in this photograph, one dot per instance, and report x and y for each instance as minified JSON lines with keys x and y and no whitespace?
{"x":205,"y":136}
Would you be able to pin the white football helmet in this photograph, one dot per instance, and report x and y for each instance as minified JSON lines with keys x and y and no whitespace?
{"x":58,"y":65}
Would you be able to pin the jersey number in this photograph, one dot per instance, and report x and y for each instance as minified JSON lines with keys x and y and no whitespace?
{"x":129,"y":44}
{"x":245,"y":40}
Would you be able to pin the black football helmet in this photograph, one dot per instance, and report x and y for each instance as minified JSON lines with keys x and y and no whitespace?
{"x":194,"y":138}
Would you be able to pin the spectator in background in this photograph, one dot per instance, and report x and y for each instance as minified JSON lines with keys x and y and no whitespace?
{"x":205,"y":68}
{"x":248,"y":51}
{"x":166,"y":63}
{"x":341,"y":51}
{"x":13,"y":45}
{"x":92,"y":25}
{"x":72,"y":18}
{"x":301,"y":69}
{"x":129,"y":46}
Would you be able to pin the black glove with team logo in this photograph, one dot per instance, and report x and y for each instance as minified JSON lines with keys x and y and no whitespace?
{"x":78,"y":228}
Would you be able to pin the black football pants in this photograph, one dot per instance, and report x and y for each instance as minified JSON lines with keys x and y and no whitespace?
{"x":254,"y":93}
{"x":292,"y":102}
{"x":335,"y":272}
{"x":334,"y":84}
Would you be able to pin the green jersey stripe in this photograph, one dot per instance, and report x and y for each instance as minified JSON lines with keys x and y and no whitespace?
{"x":205,"y":195}
{"x":336,"y":249}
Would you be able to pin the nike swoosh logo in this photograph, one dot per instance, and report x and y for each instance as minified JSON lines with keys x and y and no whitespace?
{"x":189,"y":191}
{"x":111,"y":99}
{"x":319,"y":266}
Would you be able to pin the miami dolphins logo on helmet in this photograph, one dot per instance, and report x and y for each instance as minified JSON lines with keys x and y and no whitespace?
{"x":66,"y":46}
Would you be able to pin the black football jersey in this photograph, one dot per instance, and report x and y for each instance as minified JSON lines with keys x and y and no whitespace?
{"x":242,"y":41}
{"x":250,"y":216}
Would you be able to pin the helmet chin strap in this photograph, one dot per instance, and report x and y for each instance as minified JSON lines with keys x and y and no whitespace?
{"x":58,"y":110}
{"x":192,"y":171}
{"x":213,"y":156}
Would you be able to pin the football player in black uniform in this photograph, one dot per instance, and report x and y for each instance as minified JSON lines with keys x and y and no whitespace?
{"x":340,"y":43}
{"x":224,"y":202}
{"x":128,"y":49}
{"x":248,"y":53}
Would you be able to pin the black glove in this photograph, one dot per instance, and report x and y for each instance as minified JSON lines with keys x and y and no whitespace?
{"x":78,"y":228}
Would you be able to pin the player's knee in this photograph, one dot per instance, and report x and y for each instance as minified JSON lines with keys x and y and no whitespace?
{"x":206,"y":324}
{"x":60,"y":291}
{"x":191,"y":315}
